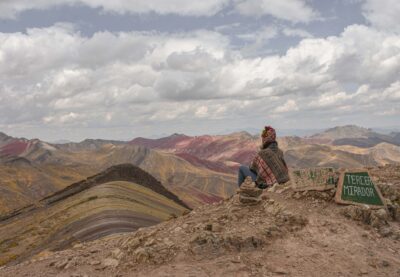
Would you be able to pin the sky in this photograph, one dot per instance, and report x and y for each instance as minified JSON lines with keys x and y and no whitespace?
{"x":76,"y":69}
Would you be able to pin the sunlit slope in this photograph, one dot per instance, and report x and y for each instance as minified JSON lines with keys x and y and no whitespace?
{"x":25,"y":181}
{"x":304,"y":156}
{"x":22,"y":182}
{"x":219,"y":152}
{"x":112,"y":207}
{"x":175,"y":173}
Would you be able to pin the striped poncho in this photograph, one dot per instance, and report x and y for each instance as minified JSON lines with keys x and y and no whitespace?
{"x":270,"y":166}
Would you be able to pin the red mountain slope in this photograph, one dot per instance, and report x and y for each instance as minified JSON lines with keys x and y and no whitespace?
{"x":220,"y":153}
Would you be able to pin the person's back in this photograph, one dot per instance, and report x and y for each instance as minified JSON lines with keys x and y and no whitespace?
{"x":268,"y":166}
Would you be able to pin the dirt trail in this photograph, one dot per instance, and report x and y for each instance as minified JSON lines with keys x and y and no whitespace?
{"x":284,"y":234}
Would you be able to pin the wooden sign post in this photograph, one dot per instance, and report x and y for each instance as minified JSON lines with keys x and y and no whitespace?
{"x":356,"y":187}
{"x":320,"y":178}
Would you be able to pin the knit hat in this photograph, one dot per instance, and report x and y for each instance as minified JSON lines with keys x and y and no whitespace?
{"x":268,"y":135}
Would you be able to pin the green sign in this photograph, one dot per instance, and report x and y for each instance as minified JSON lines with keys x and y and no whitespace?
{"x":357,"y":187}
{"x":314,"y":178}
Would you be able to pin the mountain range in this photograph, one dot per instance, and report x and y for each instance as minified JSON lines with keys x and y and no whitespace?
{"x":32,"y":169}
{"x":53,"y":196}
{"x":198,"y":169}
{"x":346,"y":146}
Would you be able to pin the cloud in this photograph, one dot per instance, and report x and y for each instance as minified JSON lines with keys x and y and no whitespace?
{"x":296,"y":11}
{"x":57,"y":77}
{"x":9,"y":9}
{"x":330,"y":100}
{"x":257,"y":41}
{"x":392,"y":92}
{"x":295,"y":32}
{"x":289,"y":106}
{"x":383,"y":14}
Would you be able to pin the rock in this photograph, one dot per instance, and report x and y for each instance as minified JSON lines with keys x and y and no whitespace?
{"x":248,"y":182}
{"x":396,"y":235}
{"x":379,"y":218}
{"x":109,"y":262}
{"x":249,"y":189}
{"x":208,"y":227}
{"x":272,"y":231}
{"x":167,"y":242}
{"x":61,"y":264}
{"x":375,"y":218}
{"x":70,"y":264}
{"x":142,"y":255}
{"x":117,"y":254}
{"x":216,"y":228}
{"x":271,"y":201}
{"x":385,"y":231}
{"x":94,"y":262}
{"x":296,"y":196}
{"x":385,"y":263}
{"x":280,"y":271}
{"x":251,"y":192}
{"x":394,"y":211}
{"x":381,"y":213}
{"x":149,"y":242}
{"x":358,"y":213}
{"x":249,"y":200}
{"x":177,"y":229}
{"x":77,"y":246}
{"x":282,"y":190}
{"x":273,"y":188}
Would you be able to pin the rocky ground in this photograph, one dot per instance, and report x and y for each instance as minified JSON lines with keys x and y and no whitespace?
{"x":254,"y":233}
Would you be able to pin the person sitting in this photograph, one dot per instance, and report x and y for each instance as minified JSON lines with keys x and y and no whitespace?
{"x":268,"y":166}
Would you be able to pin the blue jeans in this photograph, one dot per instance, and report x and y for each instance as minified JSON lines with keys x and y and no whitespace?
{"x":245,"y":171}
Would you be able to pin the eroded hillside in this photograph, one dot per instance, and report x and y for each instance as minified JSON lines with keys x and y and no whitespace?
{"x":41,"y":169}
{"x":281,"y":233}
{"x":121,"y":199}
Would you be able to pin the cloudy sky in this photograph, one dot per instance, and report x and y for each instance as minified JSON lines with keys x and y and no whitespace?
{"x":72,"y":69}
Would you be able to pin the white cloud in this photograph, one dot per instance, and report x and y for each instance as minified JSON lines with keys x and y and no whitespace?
{"x":290,"y":10}
{"x":383,"y":14}
{"x":392,"y":111}
{"x":330,"y":100}
{"x":201,"y":111}
{"x":289,"y":106}
{"x":393,"y":91}
{"x":56,"y":76}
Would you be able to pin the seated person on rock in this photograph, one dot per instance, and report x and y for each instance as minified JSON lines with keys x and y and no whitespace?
{"x":268,"y":166}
